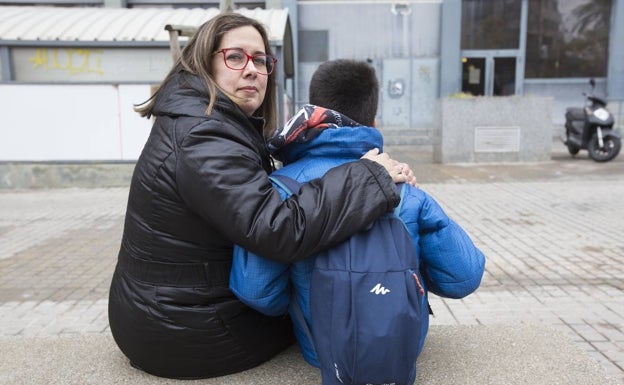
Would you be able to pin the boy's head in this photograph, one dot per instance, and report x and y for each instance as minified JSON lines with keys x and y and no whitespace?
{"x":347,"y":86}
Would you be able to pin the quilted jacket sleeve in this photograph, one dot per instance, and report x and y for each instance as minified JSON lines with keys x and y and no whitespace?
{"x":220,"y":177}
{"x":452,"y":265}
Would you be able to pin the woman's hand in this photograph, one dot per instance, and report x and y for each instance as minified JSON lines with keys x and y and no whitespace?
{"x":400,"y":172}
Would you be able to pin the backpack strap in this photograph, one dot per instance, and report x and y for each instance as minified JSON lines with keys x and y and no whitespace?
{"x":397,"y":210}
{"x":288,"y":184}
{"x":291,"y":185}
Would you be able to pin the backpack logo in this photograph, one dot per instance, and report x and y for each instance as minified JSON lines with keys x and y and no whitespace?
{"x":378,"y":289}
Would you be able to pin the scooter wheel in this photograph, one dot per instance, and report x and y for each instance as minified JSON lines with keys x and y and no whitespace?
{"x":610,"y":150}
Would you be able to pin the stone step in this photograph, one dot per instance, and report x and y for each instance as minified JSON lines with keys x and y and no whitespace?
{"x":467,"y":355}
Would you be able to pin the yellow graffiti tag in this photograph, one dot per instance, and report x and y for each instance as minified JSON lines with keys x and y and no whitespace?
{"x":74,"y":61}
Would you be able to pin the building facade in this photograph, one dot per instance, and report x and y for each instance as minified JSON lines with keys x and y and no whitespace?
{"x":423,"y":50}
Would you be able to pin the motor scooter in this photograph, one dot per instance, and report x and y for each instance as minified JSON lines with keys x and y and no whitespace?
{"x":591,"y":128}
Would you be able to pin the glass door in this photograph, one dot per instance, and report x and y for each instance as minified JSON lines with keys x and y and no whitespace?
{"x":485,"y":74}
{"x":473,"y":76}
{"x":504,"y":72}
{"x":493,"y":44}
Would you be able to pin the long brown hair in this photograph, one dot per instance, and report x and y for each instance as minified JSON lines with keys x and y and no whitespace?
{"x":196,"y":58}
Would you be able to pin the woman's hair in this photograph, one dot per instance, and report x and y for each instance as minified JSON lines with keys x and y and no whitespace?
{"x":196,"y":58}
{"x":347,"y":86}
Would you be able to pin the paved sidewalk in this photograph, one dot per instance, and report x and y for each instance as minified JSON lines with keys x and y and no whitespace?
{"x":552,"y":232}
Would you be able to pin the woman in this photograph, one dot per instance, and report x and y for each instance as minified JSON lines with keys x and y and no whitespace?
{"x":199,"y":187}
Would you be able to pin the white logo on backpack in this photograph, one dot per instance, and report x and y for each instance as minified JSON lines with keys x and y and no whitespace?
{"x":378,"y":289}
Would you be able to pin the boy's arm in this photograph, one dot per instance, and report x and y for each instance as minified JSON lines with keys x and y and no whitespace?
{"x":453,"y":265}
{"x":260,"y":283}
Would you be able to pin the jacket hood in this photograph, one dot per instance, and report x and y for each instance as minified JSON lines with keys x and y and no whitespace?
{"x":337,"y":142}
{"x":323,"y":132}
{"x":186,"y":94}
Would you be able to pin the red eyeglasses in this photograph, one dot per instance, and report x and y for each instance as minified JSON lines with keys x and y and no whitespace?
{"x":237,"y":59}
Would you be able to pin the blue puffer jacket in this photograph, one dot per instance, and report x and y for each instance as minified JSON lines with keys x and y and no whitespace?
{"x":450,"y":263}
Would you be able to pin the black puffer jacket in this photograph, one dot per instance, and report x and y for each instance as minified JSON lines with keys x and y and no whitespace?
{"x":200,"y":186}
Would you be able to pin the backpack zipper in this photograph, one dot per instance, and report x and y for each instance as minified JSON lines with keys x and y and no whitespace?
{"x":420,"y":287}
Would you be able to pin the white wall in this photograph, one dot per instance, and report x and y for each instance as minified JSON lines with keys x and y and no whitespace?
{"x":72,"y":122}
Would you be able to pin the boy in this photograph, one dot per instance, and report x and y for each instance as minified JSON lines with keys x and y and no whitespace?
{"x":311,"y":143}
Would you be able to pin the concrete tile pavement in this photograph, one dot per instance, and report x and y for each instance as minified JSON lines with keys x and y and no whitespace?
{"x":552,"y":233}
{"x":553,"y":258}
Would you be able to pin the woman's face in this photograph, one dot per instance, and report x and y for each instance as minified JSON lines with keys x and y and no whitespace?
{"x":247,"y":84}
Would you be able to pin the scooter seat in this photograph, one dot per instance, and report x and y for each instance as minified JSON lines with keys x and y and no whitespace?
{"x":575,"y":113}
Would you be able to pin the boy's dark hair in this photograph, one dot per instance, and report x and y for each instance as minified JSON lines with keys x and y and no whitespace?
{"x":347,"y":86}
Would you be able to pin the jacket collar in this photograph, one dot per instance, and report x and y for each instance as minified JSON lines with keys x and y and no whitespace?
{"x":318,"y":131}
{"x":340,"y":142}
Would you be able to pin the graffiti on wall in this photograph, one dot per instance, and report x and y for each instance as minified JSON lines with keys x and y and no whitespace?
{"x":90,"y":64}
{"x":73,"y":61}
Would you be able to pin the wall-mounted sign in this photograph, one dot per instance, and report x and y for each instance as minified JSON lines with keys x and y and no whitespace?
{"x":497,"y":139}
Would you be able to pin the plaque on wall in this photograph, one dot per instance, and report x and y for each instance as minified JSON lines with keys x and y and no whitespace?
{"x":497,"y":139}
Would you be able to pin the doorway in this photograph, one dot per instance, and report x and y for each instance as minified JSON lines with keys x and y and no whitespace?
{"x":489,"y":75}
{"x":473,"y":76}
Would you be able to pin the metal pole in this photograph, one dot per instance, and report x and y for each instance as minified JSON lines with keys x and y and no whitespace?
{"x":226,"y":5}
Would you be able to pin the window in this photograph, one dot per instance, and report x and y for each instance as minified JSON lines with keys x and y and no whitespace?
{"x":488,"y":24}
{"x":313,"y":46}
{"x":567,"y":38}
